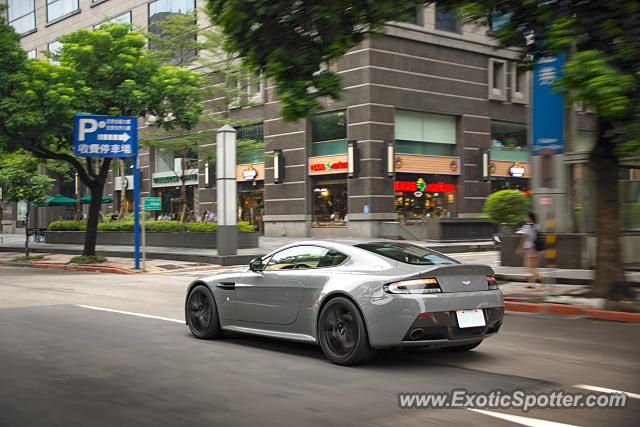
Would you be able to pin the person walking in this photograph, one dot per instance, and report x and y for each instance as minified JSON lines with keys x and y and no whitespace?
{"x":527,"y":248}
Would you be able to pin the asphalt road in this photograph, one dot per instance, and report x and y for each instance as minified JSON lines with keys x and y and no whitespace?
{"x":62,"y":364}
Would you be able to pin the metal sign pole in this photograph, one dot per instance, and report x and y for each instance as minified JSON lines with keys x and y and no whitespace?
{"x":144,"y":241}
{"x":136,"y":213}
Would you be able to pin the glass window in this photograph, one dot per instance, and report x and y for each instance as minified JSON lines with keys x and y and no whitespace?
{"x":409,"y":254}
{"x":59,"y":8}
{"x":424,"y":133}
{"x":32,"y":54}
{"x":499,"y":20}
{"x":54,"y":48}
{"x":329,"y":133}
{"x":124,"y":18}
{"x":22,"y":15}
{"x":424,"y":196}
{"x":509,"y":141}
{"x":297,"y":257}
{"x":585,"y":140}
{"x":252,"y":132}
{"x":332,"y":258}
{"x":629,"y":190}
{"x":160,"y":9}
{"x":330,"y":203}
{"x":447,"y":20}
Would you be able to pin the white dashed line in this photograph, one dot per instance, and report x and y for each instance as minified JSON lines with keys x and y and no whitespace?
{"x":148,"y":316}
{"x":607,"y":390}
{"x":525,"y":421}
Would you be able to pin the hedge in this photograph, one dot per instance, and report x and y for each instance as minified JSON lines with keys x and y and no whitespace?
{"x":152,"y":226}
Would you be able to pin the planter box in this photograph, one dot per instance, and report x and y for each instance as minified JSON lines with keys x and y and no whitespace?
{"x":246,"y":240}
{"x":569,"y":248}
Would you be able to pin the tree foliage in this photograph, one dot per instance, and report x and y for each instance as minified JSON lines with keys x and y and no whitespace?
{"x":104,"y":71}
{"x":290,"y":40}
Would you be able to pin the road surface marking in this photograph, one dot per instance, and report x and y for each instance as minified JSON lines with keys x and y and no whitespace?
{"x":148,"y":316}
{"x":525,"y":421}
{"x":607,"y":390}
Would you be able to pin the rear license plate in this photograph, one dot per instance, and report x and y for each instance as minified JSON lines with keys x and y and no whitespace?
{"x":470,"y":318}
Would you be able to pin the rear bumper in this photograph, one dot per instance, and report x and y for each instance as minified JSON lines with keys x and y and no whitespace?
{"x":392,"y":320}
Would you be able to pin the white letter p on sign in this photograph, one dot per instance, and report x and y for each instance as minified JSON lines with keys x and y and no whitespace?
{"x":86,"y":126}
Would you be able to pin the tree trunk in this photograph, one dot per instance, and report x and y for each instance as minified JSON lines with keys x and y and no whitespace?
{"x":96,"y":187}
{"x":183,"y":189}
{"x":1,"y":213}
{"x":26,"y":230}
{"x":604,"y":164}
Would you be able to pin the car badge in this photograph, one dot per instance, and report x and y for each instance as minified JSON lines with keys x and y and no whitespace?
{"x":466,"y":282}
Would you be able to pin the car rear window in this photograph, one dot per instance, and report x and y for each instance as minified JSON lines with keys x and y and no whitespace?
{"x":407,"y":253}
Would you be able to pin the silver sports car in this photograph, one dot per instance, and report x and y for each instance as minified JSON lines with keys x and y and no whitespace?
{"x":352,"y":298}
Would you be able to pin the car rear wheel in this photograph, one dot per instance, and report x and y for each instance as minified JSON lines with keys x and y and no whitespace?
{"x":202,"y":315}
{"x":343,"y":334}
{"x":460,"y":348}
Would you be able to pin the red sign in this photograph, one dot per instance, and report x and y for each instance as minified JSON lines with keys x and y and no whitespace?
{"x":404,"y":186}
{"x":441,"y":187}
{"x":328,"y":165}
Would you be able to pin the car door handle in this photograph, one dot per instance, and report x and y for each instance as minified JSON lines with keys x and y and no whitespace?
{"x":227,"y":286}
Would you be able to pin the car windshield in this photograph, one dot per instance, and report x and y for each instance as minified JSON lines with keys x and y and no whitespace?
{"x":409,"y":254}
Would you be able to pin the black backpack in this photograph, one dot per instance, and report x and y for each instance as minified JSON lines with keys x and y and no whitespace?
{"x":539,"y":240}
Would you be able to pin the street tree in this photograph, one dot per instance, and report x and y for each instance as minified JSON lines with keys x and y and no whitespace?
{"x":225,"y":84}
{"x":290,"y":41}
{"x":507,"y":207}
{"x":104,"y":71}
{"x":22,"y":182}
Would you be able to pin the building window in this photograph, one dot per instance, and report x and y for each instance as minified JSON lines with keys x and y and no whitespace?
{"x":54,"y":48}
{"x":499,"y":20}
{"x":59,"y":8}
{"x":329,"y":133}
{"x":159,"y":10}
{"x":22,"y":15}
{"x":252,"y":132}
{"x":519,"y":85}
{"x":416,"y":16}
{"x":509,"y":141}
{"x":424,"y":133}
{"x":124,"y":18}
{"x":330,"y":202}
{"x":32,"y":54}
{"x":497,"y":79}
{"x":447,"y":20}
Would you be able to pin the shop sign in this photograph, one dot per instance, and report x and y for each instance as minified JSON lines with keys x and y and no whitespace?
{"x":328,"y":165}
{"x":516,"y":170}
{"x":173,"y":179}
{"x":421,"y":186}
{"x":418,"y":194}
{"x":249,"y":174}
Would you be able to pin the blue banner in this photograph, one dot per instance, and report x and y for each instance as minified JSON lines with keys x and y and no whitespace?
{"x":105,"y":136}
{"x":548,"y":106}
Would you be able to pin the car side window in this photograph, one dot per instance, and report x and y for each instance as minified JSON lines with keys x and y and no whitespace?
{"x":297,"y":257}
{"x":332,"y":258}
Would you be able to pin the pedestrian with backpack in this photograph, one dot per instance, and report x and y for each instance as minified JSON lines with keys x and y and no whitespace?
{"x":531,"y":247}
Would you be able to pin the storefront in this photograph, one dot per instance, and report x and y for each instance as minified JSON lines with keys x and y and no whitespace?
{"x":329,"y":190}
{"x":250,"y":179}
{"x":424,"y":196}
{"x":506,"y":175}
{"x":125,"y":183}
{"x":167,"y":186}
{"x":426,"y":187}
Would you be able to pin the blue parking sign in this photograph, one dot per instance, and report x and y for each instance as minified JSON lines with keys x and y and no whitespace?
{"x":105,"y":136}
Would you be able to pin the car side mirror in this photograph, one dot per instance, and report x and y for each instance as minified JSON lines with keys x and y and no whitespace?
{"x":256,"y":264}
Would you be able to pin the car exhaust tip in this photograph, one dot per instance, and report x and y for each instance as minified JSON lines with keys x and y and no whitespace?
{"x":416,"y":334}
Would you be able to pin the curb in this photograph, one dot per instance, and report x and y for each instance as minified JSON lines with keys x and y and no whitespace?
{"x":97,"y":269}
{"x":572,"y":310}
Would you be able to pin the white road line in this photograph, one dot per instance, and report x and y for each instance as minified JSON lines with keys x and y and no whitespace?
{"x":607,"y":390}
{"x":525,"y":421}
{"x":148,"y":316}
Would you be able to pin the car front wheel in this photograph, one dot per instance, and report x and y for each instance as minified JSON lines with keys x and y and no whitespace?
{"x":202,"y":315}
{"x":343,"y":334}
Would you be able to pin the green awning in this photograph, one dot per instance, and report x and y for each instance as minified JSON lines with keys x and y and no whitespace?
{"x":87,"y":199}
{"x":58,"y":201}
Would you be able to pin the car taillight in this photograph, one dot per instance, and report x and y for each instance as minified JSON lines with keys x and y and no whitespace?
{"x":417,"y":286}
{"x":493,"y":283}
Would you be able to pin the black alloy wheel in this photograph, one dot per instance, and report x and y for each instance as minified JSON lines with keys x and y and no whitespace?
{"x":342,"y":333}
{"x":202,"y":315}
